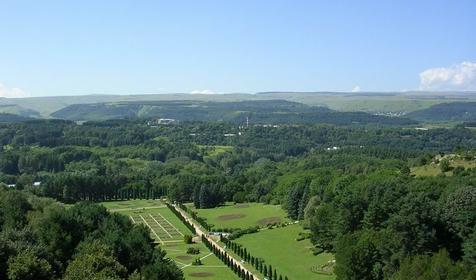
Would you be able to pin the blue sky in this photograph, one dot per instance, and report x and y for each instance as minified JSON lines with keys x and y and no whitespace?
{"x":127,"y":47}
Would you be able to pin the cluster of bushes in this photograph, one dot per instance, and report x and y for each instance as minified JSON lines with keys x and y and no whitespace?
{"x":193,"y":251}
{"x":197,"y":261}
{"x":258,"y":263}
{"x":303,"y":236}
{"x":240,"y":232}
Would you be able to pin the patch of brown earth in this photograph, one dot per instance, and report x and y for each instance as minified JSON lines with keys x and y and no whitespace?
{"x":270,"y":220}
{"x":184,"y":258}
{"x":231,"y":217}
{"x":242,"y":205}
{"x":201,"y":274}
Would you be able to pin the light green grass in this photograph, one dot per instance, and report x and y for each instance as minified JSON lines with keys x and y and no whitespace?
{"x":279,"y":248}
{"x":247,"y":215}
{"x":176,"y":250}
{"x":132,"y":204}
{"x":434,"y":169}
{"x":216,"y":150}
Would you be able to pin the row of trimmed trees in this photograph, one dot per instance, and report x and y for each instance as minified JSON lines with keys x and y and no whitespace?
{"x":257,"y":263}
{"x":188,"y":224}
{"x":223,"y":256}
{"x":228,"y":260}
{"x":200,"y":220}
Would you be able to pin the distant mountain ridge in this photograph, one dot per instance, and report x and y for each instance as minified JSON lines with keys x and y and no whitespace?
{"x":371,"y":102}
{"x":258,"y":111}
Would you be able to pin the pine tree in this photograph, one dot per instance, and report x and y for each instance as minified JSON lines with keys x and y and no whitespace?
{"x":303,"y":202}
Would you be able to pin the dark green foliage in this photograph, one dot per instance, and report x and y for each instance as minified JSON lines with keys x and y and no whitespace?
{"x":359,"y":199}
{"x":26,"y":265}
{"x":445,"y":165}
{"x":40,"y":239}
{"x":188,"y":239}
{"x":445,"y":112}
{"x":193,"y":251}
{"x":259,"y":111}
{"x":438,"y":266}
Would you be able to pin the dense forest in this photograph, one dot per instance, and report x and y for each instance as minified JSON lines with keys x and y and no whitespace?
{"x":41,"y":240}
{"x":350,"y":185}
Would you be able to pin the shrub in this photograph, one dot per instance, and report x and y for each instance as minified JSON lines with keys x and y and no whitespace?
{"x":188,"y":239}
{"x":197,"y":261}
{"x":193,"y":251}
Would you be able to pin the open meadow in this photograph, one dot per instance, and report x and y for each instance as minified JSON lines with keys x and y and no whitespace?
{"x":242,"y":215}
{"x":432,"y":169}
{"x":279,"y":248}
{"x":169,"y":233}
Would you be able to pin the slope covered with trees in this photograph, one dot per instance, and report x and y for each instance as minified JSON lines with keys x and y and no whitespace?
{"x":40,"y":239}
{"x":350,"y":185}
{"x":258,"y":112}
{"x":447,"y":112}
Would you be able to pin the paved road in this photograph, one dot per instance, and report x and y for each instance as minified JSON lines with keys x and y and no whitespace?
{"x":201,"y":232}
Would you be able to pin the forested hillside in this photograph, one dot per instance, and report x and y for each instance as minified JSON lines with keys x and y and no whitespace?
{"x":350,"y":185}
{"x":258,"y":112}
{"x":447,"y":112}
{"x":5,"y":118}
{"x":41,"y":240}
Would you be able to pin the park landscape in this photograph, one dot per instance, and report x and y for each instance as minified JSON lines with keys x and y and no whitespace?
{"x":168,"y":232}
{"x":268,"y":243}
{"x":238,"y":140}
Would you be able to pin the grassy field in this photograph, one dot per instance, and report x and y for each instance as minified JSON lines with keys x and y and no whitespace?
{"x":125,"y":205}
{"x":168,"y":231}
{"x":216,"y":150}
{"x":242,"y":215}
{"x":289,"y":257}
{"x":434,"y":169}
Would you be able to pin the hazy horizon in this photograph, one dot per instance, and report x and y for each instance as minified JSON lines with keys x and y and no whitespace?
{"x":55,"y":49}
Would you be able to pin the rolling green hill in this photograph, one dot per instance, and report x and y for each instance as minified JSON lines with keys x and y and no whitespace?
{"x":447,"y":112}
{"x":4,"y":117}
{"x":371,"y":102}
{"x":258,"y":112}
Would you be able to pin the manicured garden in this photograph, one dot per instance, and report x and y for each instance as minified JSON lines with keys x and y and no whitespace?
{"x":169,"y":232}
{"x":292,"y":258}
{"x":242,"y":215}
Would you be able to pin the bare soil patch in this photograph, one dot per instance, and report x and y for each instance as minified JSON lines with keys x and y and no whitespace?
{"x":201,"y":274}
{"x":184,"y":258}
{"x":242,"y":205}
{"x":270,"y":220}
{"x":231,"y":217}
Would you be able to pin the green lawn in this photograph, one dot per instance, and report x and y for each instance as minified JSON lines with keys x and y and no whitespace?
{"x":242,"y":215}
{"x":132,"y":204}
{"x":279,"y":248}
{"x":212,"y":268}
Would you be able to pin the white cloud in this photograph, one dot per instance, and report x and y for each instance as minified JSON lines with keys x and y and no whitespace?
{"x":11,"y":92}
{"x":457,"y":77}
{"x":356,"y":89}
{"x":205,"y":91}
